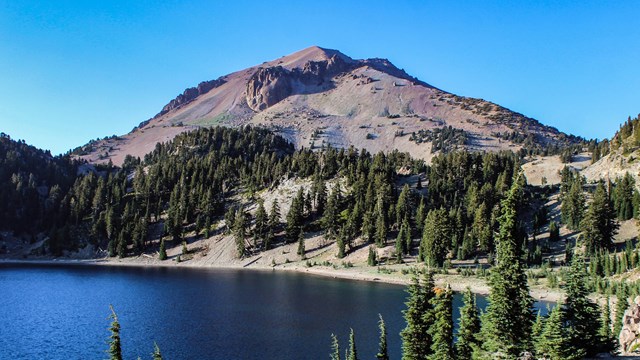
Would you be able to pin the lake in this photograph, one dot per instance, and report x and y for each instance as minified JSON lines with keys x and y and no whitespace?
{"x":60,"y":312}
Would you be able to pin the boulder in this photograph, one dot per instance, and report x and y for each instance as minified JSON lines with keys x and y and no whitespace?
{"x":630,"y":334}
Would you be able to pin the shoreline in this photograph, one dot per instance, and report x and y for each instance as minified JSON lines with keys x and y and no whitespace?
{"x":356,"y":273}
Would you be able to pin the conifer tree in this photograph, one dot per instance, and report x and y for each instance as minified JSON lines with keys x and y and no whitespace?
{"x":157,"y":355}
{"x":469,"y":327}
{"x":607,"y":339}
{"x":353,"y":351}
{"x":441,"y":330}
{"x":301,"y":249}
{"x":335,"y":348}
{"x":115,"y":349}
{"x":163,"y":251}
{"x":416,"y":340}
{"x":383,"y":352}
{"x":553,"y":342}
{"x":372,"y":259}
{"x":330,"y":215}
{"x":436,"y":238}
{"x":581,"y":315}
{"x":274,"y":215}
{"x":621,"y":306}
{"x":261,"y":223}
{"x":240,"y":232}
{"x":295,"y":217}
{"x":554,"y":231}
{"x":573,"y":205}
{"x":506,"y":324}
{"x":599,"y":225}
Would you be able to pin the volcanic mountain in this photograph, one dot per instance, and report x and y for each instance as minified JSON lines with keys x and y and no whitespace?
{"x":318,"y":97}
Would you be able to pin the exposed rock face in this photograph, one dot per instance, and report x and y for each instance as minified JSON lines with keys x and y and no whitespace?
{"x":190,"y":94}
{"x":269,"y":86}
{"x":630,"y":333}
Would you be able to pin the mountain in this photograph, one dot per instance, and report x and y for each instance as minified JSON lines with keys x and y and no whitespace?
{"x":317,"y":96}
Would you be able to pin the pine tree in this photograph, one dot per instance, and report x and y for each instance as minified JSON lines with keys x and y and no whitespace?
{"x":554,"y":231}
{"x":372,"y":259}
{"x":353,"y":352}
{"x":621,"y":306}
{"x":335,"y":348}
{"x":573,"y":205}
{"x":274,"y":215}
{"x":261,"y":223}
{"x":295,"y":217}
{"x":436,"y":238}
{"x":581,"y":315}
{"x":301,"y":249}
{"x":163,"y":251}
{"x":599,"y":225}
{"x":341,"y":243}
{"x":441,"y":330}
{"x":383,"y":353}
{"x":240,"y":232}
{"x":607,"y":339}
{"x":330,"y":215}
{"x":506,"y":324}
{"x":115,"y":350}
{"x":469,"y":327}
{"x":157,"y":355}
{"x":416,"y":340}
{"x":553,"y":342}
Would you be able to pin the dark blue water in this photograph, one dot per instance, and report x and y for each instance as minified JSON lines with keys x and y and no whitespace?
{"x":60,"y":312}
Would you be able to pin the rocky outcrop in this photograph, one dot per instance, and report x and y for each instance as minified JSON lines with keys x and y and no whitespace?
{"x":190,"y":94}
{"x":268,"y":86}
{"x":630,"y":333}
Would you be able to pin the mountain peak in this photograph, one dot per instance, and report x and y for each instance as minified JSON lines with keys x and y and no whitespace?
{"x":313,"y":53}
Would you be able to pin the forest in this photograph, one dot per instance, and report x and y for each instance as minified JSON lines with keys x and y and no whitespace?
{"x":462,"y":206}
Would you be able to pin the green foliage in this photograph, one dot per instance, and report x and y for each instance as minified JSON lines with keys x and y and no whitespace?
{"x":441,"y":330}
{"x":553,"y":342}
{"x":335,"y":348}
{"x":469,"y":327}
{"x":383,"y":352}
{"x":157,"y":355}
{"x":163,"y":251}
{"x":372,"y":259}
{"x":353,"y":351}
{"x":436,"y":237}
{"x":599,"y":225}
{"x":416,"y":339}
{"x":506,"y":324}
{"x":115,"y":348}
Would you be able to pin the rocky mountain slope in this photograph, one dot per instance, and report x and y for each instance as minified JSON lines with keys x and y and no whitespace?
{"x":317,"y":97}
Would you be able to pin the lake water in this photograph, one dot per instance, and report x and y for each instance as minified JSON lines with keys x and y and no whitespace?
{"x":60,"y":312}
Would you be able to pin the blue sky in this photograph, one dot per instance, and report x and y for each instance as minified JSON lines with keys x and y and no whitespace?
{"x":71,"y":71}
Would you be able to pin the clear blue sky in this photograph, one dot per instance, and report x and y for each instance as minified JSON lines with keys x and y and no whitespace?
{"x":71,"y":71}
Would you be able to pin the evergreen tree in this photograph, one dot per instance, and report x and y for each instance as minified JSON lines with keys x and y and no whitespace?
{"x":573,"y":205}
{"x":624,"y":193}
{"x":554,"y":231}
{"x":274,"y":215}
{"x":372,"y":259}
{"x":441,"y":330}
{"x":163,"y":251}
{"x":353,"y":352}
{"x":607,"y":339}
{"x":261,"y":223}
{"x":295,"y":217}
{"x":581,"y":315}
{"x":335,"y":348}
{"x":469,"y":327}
{"x":383,"y":353}
{"x":599,"y":225}
{"x":301,"y":249}
{"x":115,"y":350}
{"x":416,"y":340}
{"x":553,"y":342}
{"x":240,"y":232}
{"x":157,"y":355}
{"x":436,"y":238}
{"x":506,"y":324}
{"x":330,"y":215}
